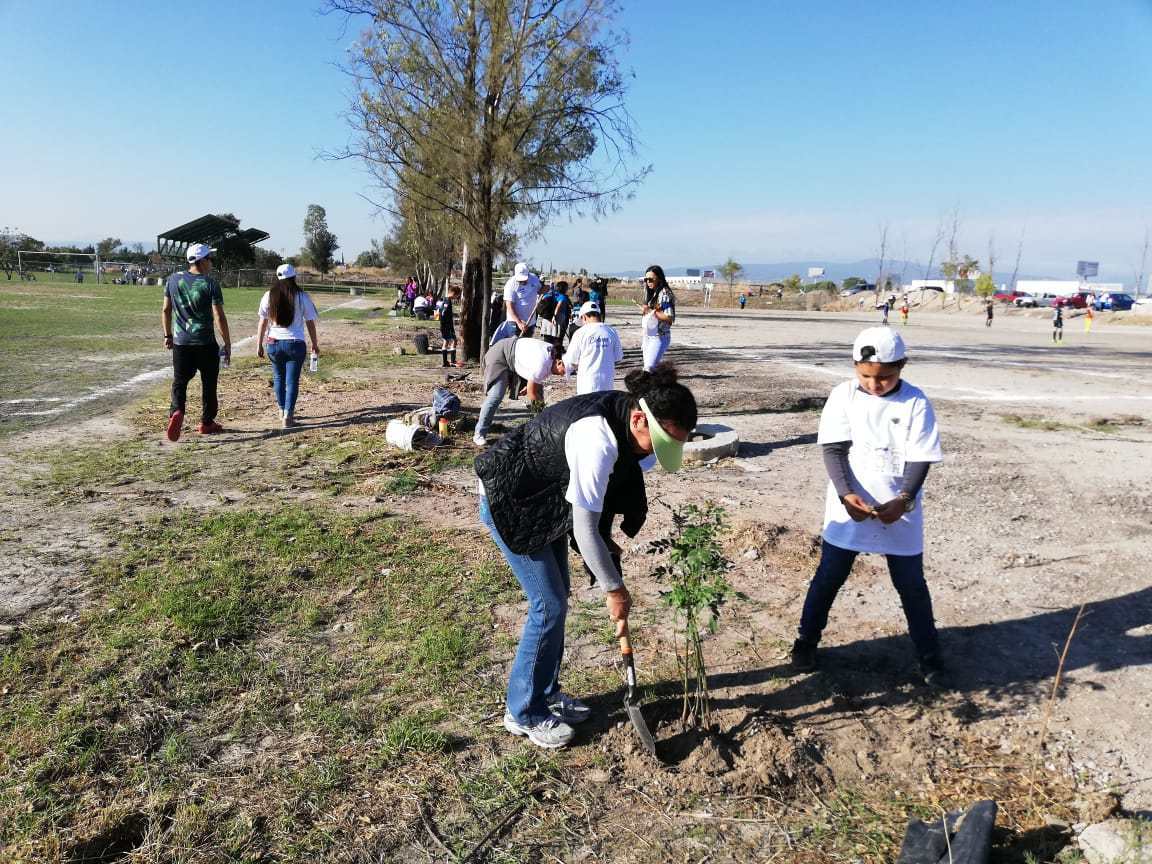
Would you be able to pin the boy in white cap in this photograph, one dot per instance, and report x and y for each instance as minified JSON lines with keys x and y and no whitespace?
{"x":879,"y":437}
{"x":593,"y":353}
{"x":192,"y":300}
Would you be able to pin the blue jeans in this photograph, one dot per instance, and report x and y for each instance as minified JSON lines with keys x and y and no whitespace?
{"x":287,"y":358}
{"x":907,"y":573}
{"x":496,"y":394}
{"x":653,"y":349}
{"x":535,"y":675}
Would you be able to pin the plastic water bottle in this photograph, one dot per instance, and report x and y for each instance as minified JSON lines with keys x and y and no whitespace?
{"x":314,"y":363}
{"x":225,"y":360}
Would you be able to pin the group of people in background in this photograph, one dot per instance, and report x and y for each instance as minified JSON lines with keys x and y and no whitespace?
{"x":528,"y":344}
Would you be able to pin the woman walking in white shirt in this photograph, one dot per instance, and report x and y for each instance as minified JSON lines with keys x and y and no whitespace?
{"x":285,"y":311}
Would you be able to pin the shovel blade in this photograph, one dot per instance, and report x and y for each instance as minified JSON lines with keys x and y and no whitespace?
{"x":641,"y":727}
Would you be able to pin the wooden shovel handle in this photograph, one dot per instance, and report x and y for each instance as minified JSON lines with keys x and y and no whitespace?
{"x":623,"y":637}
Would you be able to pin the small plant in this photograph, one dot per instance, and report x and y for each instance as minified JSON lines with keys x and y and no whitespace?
{"x":698,"y":586}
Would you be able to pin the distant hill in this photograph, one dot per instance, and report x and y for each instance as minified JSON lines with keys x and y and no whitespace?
{"x":837,"y":271}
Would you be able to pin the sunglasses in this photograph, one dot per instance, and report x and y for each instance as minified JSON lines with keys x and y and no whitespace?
{"x":650,"y":280}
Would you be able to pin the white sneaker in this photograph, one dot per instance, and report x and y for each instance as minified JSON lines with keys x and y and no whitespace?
{"x":479,"y":440}
{"x":568,"y":709}
{"x":551,"y":734}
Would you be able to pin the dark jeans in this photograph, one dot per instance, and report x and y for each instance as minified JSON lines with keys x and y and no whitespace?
{"x":287,"y":359}
{"x":907,"y":573}
{"x":187,"y":360}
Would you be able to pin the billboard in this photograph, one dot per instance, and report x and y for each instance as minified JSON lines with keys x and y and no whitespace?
{"x":1087,"y":269}
{"x":692,"y":272}
{"x":709,"y":274}
{"x":815,"y":272}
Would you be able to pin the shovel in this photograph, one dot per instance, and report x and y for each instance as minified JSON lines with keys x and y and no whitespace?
{"x":631,"y":703}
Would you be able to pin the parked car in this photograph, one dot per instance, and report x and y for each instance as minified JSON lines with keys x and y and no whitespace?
{"x":1080,"y":300}
{"x":1009,"y":296}
{"x":860,"y":288}
{"x":1113,"y":302}
{"x":1032,"y":301}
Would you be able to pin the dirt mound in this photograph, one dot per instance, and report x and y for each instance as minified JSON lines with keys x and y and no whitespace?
{"x":742,"y":753}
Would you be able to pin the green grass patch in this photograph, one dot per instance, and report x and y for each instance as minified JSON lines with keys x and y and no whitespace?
{"x":243,"y":638}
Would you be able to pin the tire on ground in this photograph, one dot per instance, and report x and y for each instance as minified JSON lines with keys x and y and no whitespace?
{"x":711,"y":441}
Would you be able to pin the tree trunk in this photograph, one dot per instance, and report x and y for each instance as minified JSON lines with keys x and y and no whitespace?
{"x":471,"y":310}
{"x":486,"y":305}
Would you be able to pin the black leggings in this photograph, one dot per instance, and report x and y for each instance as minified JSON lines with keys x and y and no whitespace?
{"x":187,"y":360}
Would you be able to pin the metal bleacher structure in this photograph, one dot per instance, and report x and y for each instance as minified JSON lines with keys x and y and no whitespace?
{"x":209,"y":229}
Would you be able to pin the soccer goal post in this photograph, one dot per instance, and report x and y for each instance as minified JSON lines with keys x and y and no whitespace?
{"x":75,"y":265}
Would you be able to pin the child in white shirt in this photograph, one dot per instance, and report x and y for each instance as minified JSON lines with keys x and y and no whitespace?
{"x":593,"y":353}
{"x":879,"y":436}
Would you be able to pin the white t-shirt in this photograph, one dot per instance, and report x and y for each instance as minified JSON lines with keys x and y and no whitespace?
{"x":421,"y":302}
{"x":886,"y":432}
{"x":533,"y":359}
{"x":522,"y":295}
{"x":591,"y":451}
{"x":594,"y":351}
{"x":305,"y":311}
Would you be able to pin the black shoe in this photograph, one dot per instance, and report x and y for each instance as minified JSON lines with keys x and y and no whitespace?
{"x":803,"y":656}
{"x":934,"y":674}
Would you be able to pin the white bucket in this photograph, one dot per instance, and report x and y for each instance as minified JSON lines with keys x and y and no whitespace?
{"x":406,"y":437}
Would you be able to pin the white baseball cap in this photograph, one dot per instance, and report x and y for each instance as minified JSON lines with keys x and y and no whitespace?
{"x":879,"y":345}
{"x":590,"y":308}
{"x":520,"y":272}
{"x":285,"y":271}
{"x":198,"y":252}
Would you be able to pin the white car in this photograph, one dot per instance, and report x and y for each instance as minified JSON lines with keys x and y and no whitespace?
{"x":1034,"y":300}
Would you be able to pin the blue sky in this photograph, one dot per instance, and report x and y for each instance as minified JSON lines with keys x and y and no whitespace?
{"x":776,"y":130}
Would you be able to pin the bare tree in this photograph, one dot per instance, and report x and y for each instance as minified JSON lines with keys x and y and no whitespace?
{"x":882,"y":252}
{"x":1019,"y":255}
{"x":1143,"y":263}
{"x":991,"y":271}
{"x":496,"y":114}
{"x":937,"y":239}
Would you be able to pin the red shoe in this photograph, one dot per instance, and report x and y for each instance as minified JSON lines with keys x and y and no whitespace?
{"x":210,"y":428}
{"x":175,"y":425}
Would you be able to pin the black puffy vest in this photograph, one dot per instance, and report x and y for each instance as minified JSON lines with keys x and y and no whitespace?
{"x":526,"y":474}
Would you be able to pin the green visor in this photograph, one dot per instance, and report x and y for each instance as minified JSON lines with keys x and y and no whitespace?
{"x":669,"y":451}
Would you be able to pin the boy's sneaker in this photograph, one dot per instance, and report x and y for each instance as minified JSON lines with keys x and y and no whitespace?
{"x":568,"y":709}
{"x":803,"y":656}
{"x":175,"y":425}
{"x":479,"y":440}
{"x":551,"y":734}
{"x":209,"y":428}
{"x":934,"y":673}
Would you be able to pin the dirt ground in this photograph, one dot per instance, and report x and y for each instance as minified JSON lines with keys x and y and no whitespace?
{"x":1041,"y":505}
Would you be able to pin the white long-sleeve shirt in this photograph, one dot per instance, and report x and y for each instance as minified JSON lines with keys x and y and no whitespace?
{"x":594,"y":351}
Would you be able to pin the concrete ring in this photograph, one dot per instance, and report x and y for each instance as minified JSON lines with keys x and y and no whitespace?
{"x":711,"y":441}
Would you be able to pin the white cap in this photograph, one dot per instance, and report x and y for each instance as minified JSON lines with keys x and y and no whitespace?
{"x":285,"y":271}
{"x":198,"y":252}
{"x":520,"y":273}
{"x":590,"y":308}
{"x":879,"y":345}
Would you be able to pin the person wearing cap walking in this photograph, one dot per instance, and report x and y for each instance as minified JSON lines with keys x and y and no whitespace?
{"x":879,"y":437}
{"x":572,"y":470}
{"x":285,"y":311}
{"x":593,"y":353}
{"x":193,"y":302}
